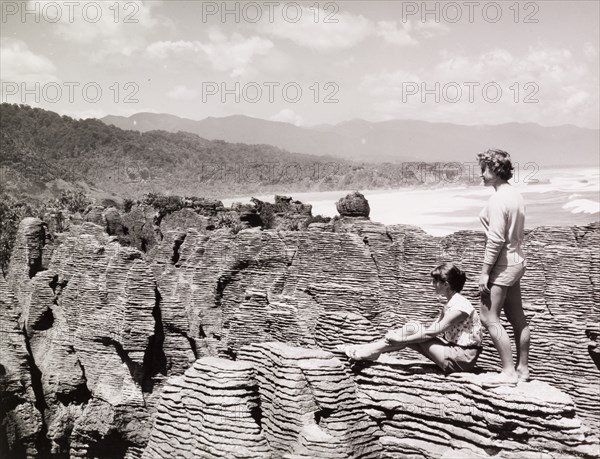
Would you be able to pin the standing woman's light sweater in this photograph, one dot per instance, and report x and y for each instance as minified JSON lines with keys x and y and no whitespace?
{"x":503,"y":218}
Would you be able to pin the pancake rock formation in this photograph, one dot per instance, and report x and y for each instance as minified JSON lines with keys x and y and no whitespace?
{"x":85,"y":319}
{"x":353,"y":205}
{"x":197,"y":332}
{"x":210,"y":411}
{"x":282,"y":401}
{"x":422,"y":413}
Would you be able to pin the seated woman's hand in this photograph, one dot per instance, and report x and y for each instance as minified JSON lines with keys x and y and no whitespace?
{"x":393,"y":337}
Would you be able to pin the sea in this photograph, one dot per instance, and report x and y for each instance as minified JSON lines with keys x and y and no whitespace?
{"x":553,"y":197}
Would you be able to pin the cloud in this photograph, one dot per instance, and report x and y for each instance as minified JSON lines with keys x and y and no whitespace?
{"x":315,"y":33}
{"x":429,"y":29}
{"x":496,"y":59}
{"x":388,"y":84}
{"x":20,"y":64}
{"x":346,"y":62}
{"x":181,"y":92}
{"x":345,"y":29}
{"x":577,"y":99}
{"x":106,"y":27}
{"x":234,"y":53}
{"x":226,"y":54}
{"x":536,"y":65}
{"x":288,"y":115}
{"x":558,"y":87}
{"x":390,"y":32}
{"x":162,"y":49}
{"x":589,"y":50}
{"x":405,"y":35}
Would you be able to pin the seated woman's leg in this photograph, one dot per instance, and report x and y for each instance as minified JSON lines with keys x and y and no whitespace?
{"x":434,"y":350}
{"x":372,"y":351}
{"x":449,"y":357}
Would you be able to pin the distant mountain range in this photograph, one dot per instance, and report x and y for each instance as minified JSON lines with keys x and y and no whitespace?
{"x":44,"y":153}
{"x":389,"y":141}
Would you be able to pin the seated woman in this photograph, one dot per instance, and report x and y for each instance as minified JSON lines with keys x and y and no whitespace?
{"x":453,"y":341}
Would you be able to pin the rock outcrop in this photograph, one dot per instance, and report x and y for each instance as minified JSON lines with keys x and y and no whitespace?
{"x":353,"y":205}
{"x":423,"y":413}
{"x":88,"y":326}
{"x":211,"y":412}
{"x":309,"y":406}
{"x":291,"y":402}
{"x":275,"y":401}
{"x":97,"y":335}
{"x":20,"y":414}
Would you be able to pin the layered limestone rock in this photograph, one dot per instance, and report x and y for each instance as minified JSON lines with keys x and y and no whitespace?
{"x":350,"y":285}
{"x":20,"y":417}
{"x":277,"y":401}
{"x":212,"y":412}
{"x":423,"y":413}
{"x":95,"y":328}
{"x":308,"y":404}
{"x":290,"y":214}
{"x":184,"y":218}
{"x":304,"y":277}
{"x":353,"y":205}
{"x":280,"y":401}
{"x":88,"y":324}
{"x":140,"y":224}
{"x":205,"y":206}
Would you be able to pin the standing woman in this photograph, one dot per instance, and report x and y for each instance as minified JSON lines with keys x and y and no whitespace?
{"x":503,"y":266}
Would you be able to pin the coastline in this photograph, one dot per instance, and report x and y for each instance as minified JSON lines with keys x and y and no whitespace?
{"x":561,"y":197}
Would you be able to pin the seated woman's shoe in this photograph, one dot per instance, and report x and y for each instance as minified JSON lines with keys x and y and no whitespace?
{"x":356,"y":353}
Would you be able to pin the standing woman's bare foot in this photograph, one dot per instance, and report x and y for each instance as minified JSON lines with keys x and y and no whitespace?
{"x":523,"y":374}
{"x":500,"y":379}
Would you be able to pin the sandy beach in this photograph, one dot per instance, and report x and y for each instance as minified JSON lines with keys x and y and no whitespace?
{"x":554,"y":196}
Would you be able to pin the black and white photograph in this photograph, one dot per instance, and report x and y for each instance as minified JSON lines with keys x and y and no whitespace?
{"x":353,"y":229}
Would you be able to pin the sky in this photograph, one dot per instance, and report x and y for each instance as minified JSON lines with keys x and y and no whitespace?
{"x":307,"y":63}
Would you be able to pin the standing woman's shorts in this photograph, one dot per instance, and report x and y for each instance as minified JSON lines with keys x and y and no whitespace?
{"x":507,"y":276}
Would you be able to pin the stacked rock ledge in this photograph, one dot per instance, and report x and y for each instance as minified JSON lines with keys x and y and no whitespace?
{"x":99,"y":340}
{"x":423,"y":413}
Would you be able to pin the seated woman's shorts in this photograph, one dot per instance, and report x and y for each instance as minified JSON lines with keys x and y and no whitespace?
{"x":459,"y":358}
{"x":507,"y":276}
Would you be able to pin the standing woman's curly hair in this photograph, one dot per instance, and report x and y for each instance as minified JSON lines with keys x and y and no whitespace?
{"x":498,"y":161}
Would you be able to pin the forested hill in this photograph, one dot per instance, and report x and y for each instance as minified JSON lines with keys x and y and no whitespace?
{"x":41,"y":149}
{"x":39,"y":146}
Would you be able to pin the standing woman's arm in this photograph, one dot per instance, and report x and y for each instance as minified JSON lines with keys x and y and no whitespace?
{"x":495,"y":240}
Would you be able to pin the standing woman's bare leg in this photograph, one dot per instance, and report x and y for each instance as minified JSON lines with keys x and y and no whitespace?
{"x":491,"y":306}
{"x":513,"y":307}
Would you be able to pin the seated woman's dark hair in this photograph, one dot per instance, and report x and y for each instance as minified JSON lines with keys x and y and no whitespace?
{"x":449,"y":272}
{"x":498,"y":161}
